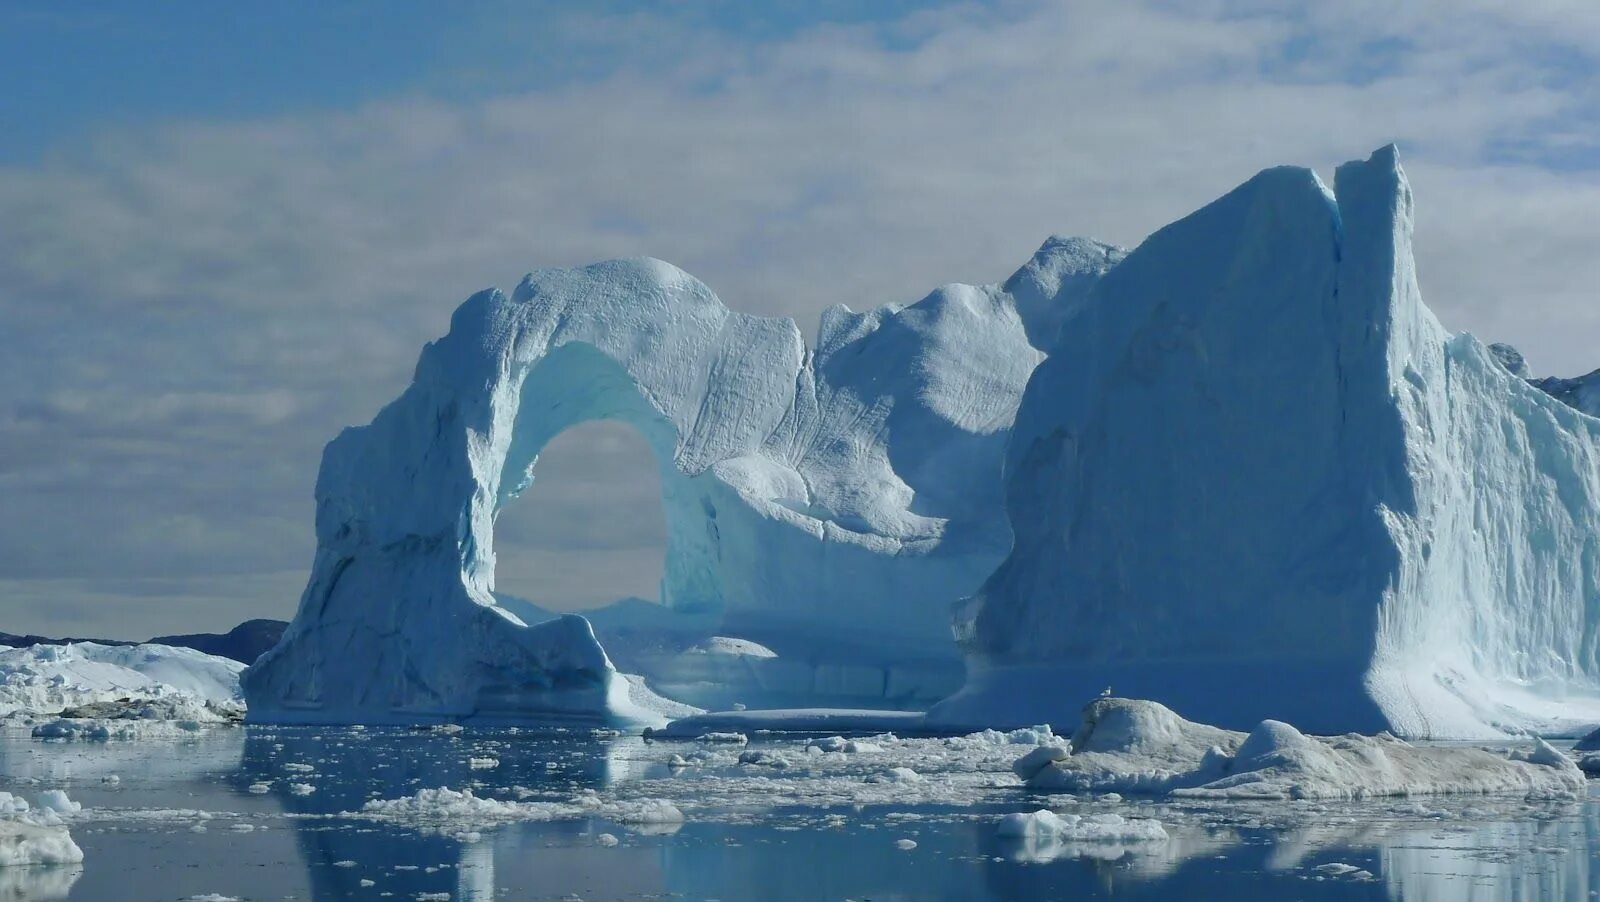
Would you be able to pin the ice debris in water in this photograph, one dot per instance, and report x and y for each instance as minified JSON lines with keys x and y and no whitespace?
{"x":443,"y":807}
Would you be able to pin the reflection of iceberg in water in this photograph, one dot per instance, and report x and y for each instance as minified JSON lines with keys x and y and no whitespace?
{"x":475,"y":871}
{"x":1531,"y":858}
{"x":720,"y":861}
{"x":38,"y":883}
{"x":350,"y":767}
{"x":153,"y":760}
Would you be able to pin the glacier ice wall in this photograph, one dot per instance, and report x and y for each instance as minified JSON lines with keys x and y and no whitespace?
{"x":829,"y":505}
{"x":1256,"y":478}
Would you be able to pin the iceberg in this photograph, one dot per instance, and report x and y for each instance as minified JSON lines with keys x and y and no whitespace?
{"x":161,"y":680}
{"x":823,"y":508}
{"x":1257,"y":480}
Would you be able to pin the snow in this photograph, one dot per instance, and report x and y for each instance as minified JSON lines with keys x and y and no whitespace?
{"x":132,"y":681}
{"x":1138,"y":747}
{"x":825,"y":507}
{"x":1256,"y":479}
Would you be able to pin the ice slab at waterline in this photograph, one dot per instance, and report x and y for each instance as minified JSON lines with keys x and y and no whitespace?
{"x":828,"y":506}
{"x":1140,"y":747}
{"x":1257,"y":479}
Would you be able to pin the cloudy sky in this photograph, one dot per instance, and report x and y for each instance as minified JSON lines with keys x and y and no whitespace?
{"x":226,"y":230}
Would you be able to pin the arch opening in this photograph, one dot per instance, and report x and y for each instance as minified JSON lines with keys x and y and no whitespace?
{"x":592,"y":507}
{"x":588,"y":529}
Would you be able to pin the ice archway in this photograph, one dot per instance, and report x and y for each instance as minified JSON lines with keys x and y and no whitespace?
{"x":835,"y":503}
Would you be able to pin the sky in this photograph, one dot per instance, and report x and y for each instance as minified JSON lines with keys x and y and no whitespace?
{"x":226,"y":230}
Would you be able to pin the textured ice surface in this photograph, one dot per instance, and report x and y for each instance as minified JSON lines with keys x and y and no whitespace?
{"x":1256,"y":479}
{"x":828,"y":505}
{"x":36,"y":836}
{"x":170,"y":682}
{"x":1140,"y":747}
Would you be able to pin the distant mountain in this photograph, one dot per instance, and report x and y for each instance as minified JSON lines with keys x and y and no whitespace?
{"x":15,"y":641}
{"x":245,"y":642}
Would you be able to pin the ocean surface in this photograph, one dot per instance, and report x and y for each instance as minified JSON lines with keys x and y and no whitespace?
{"x":283,"y":813}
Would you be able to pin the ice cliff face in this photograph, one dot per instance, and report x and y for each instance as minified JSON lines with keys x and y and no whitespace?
{"x":1257,"y":479}
{"x":829,"y":506}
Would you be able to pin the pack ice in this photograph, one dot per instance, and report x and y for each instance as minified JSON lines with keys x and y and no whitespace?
{"x":824,"y":509}
{"x":1256,"y":479}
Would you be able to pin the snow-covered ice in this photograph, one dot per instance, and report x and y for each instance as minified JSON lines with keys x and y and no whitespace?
{"x":125,"y":681}
{"x":1255,"y":478}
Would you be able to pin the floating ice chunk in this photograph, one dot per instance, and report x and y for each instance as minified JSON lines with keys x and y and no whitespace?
{"x":483,"y":763}
{"x":763,"y":757}
{"x":905,"y":845}
{"x":1046,"y":824}
{"x":1339,"y":870}
{"x":1030,"y":764}
{"x":1140,"y":747}
{"x":28,"y":840}
{"x":301,"y":789}
{"x":646,"y":811}
{"x":896,"y":775}
{"x":606,"y":839}
{"x":109,"y":730}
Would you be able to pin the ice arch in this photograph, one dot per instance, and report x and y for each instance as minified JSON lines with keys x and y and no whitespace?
{"x":835,"y":503}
